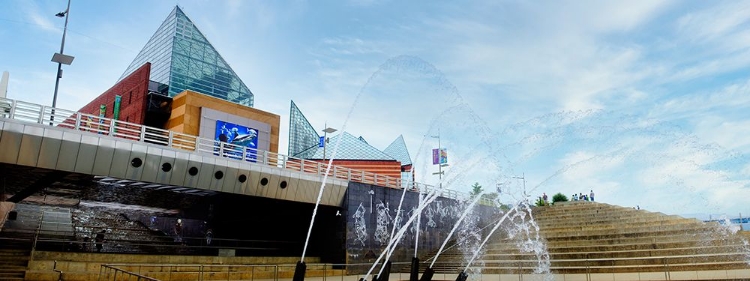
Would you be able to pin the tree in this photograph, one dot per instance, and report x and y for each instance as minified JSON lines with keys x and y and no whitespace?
{"x":476,"y":189}
{"x":559,"y":197}
{"x":539,"y":202}
{"x":491,"y":196}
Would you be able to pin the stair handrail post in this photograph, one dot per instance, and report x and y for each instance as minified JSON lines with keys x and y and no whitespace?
{"x":36,"y":236}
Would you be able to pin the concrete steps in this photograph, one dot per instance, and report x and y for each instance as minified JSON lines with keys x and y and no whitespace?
{"x":13,"y":262}
{"x":590,"y":237}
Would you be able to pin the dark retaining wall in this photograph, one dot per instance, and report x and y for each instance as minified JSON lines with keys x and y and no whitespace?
{"x":371,"y":211}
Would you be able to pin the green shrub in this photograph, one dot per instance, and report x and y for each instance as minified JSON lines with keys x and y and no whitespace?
{"x":559,"y":197}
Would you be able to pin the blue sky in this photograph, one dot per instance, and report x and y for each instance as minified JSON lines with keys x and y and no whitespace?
{"x":644,"y":102}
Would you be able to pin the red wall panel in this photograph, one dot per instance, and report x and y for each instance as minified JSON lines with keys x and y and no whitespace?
{"x":132,"y":89}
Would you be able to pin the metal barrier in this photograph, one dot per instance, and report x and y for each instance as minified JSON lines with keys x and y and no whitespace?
{"x":46,"y":115}
{"x":168,"y":272}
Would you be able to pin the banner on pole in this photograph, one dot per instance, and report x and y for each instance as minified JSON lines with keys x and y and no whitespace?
{"x":102,"y":113}
{"x":116,"y":110}
{"x":439,"y":156}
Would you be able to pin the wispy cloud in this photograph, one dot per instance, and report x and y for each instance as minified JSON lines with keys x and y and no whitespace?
{"x":643,"y":101}
{"x":44,"y":22}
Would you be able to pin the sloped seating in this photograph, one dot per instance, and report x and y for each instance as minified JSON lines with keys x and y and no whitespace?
{"x":591,"y":237}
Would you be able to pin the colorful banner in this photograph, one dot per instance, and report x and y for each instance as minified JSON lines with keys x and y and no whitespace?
{"x":116,"y":113}
{"x":322,"y":142}
{"x":102,"y":112}
{"x":239,"y":137}
{"x":439,"y":156}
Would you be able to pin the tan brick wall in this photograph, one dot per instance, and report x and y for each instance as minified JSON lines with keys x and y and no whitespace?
{"x":186,"y":117}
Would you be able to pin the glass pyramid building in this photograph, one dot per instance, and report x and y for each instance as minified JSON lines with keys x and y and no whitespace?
{"x":303,"y":138}
{"x":304,"y":143}
{"x":183,"y":59}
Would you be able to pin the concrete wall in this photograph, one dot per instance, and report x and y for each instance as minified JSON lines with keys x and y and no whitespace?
{"x":87,"y":266}
{"x":5,"y":208}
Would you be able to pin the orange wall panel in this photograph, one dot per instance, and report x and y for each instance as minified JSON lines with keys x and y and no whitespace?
{"x":186,"y":114}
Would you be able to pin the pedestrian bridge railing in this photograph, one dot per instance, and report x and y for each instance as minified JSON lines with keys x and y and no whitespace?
{"x":107,"y":127}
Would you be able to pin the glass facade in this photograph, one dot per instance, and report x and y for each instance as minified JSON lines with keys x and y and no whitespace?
{"x":397,"y":149}
{"x":303,"y":138}
{"x":182,"y":58}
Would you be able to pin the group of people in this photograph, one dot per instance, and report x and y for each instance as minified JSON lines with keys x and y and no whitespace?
{"x":178,"y":232}
{"x":583,"y":197}
{"x":575,"y":197}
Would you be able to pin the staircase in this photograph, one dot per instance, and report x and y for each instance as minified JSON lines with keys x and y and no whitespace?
{"x":590,"y":237}
{"x":15,"y":252}
{"x":17,"y":236}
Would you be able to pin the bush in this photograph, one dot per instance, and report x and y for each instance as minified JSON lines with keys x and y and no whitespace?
{"x":539,"y":202}
{"x":559,"y":197}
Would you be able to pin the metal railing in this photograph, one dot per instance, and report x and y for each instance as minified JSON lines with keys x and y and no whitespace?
{"x":82,"y":122}
{"x":275,"y":272}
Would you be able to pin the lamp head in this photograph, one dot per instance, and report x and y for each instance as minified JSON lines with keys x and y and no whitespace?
{"x":61,"y":14}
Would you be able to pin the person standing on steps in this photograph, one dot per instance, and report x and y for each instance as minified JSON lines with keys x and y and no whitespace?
{"x":592,"y":195}
{"x":209,"y":236}
{"x":99,"y":239}
{"x":178,"y":231}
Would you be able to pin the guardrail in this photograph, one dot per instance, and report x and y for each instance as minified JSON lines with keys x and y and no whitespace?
{"x":82,"y":122}
{"x":275,"y":272}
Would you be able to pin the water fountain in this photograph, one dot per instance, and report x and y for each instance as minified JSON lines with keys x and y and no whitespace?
{"x":429,"y":272}
{"x":456,"y":106}
{"x":598,"y":140}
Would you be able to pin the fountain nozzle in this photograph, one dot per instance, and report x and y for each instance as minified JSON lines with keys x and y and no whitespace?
{"x":462,"y":276}
{"x":414,"y":274}
{"x":427,"y":275}
{"x":299,"y":271}
{"x":385,"y":274}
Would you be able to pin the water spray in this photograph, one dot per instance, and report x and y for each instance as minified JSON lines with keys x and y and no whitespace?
{"x":429,"y":272}
{"x":431,"y":197}
{"x":414,"y":273}
{"x":463,"y":275}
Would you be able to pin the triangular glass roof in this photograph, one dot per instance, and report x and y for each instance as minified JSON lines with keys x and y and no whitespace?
{"x":303,"y":138}
{"x":304,"y":143}
{"x":351,"y":148}
{"x":397,"y":149}
{"x":182,"y":57}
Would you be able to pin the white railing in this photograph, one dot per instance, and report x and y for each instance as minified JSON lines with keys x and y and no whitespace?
{"x":61,"y":118}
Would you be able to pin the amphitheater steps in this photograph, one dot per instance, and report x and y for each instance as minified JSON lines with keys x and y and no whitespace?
{"x":592,"y":237}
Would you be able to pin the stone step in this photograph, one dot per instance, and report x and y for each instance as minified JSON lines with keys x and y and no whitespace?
{"x":626,"y":228}
{"x":602,"y":218}
{"x":627,"y":232}
{"x":557,"y":226}
{"x":594,"y":237}
{"x":623,"y":253}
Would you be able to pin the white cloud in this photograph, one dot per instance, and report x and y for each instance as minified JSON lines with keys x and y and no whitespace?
{"x":717,"y":21}
{"x":42,"y":21}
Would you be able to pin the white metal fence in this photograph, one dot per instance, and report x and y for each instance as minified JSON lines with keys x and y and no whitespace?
{"x":82,"y":122}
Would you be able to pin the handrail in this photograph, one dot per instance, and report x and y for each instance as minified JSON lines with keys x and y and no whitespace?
{"x":36,"y":234}
{"x":49,"y":116}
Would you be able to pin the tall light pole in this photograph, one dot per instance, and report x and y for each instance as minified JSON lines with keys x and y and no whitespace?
{"x":325,"y":139}
{"x":60,"y":58}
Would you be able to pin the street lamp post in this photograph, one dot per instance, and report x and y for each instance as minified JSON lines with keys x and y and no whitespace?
{"x":325,"y":139}
{"x":60,"y":58}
